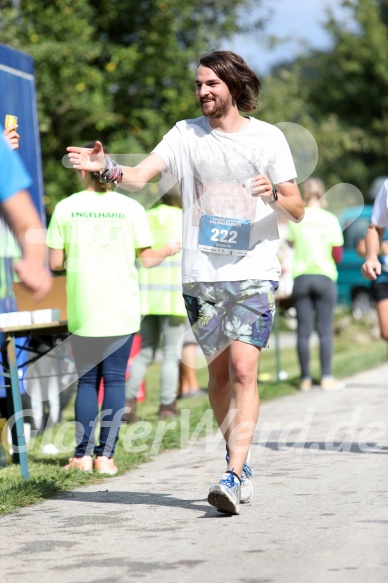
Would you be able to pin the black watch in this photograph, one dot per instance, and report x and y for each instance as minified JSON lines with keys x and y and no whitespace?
{"x":274,"y":196}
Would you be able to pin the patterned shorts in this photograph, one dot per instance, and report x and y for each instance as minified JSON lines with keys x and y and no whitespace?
{"x":224,"y":311}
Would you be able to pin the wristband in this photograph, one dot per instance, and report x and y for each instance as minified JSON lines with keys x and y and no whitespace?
{"x":111,"y":172}
{"x":274,"y":196}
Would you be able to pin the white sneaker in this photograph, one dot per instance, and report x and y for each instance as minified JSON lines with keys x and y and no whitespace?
{"x":246,"y":480}
{"x":226,"y":495}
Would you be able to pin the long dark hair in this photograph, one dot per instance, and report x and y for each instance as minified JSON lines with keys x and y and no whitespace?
{"x":243,"y":84}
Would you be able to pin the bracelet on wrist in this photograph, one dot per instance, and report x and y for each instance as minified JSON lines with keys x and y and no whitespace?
{"x":110,"y":173}
{"x":274,"y":196}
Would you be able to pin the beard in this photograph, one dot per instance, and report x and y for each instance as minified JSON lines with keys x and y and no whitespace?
{"x":216,"y":109}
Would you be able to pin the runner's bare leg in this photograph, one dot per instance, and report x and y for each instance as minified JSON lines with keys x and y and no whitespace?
{"x":233,"y":388}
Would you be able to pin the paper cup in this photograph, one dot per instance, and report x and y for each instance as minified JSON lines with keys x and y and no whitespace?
{"x":41,"y":316}
{"x":248,"y":185}
{"x":13,"y":319}
{"x":24,"y":318}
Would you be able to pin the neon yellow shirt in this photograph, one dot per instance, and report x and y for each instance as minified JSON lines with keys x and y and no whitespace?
{"x":100,"y":232}
{"x":161,"y":287}
{"x":313,"y":239}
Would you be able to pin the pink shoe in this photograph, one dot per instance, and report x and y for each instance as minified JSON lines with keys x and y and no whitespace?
{"x":105,"y":465}
{"x":85,"y":463}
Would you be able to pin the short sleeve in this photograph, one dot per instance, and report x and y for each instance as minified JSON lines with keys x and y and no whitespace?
{"x":338,"y":236}
{"x":281,"y":167}
{"x":380,"y":207}
{"x":55,"y":234}
{"x":166,"y":149}
{"x":13,"y":175}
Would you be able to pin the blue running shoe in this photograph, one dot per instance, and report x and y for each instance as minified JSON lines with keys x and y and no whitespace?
{"x":225,"y":495}
{"x":246,"y":480}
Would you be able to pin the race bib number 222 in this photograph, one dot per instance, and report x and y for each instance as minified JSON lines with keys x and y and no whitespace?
{"x":224,"y":235}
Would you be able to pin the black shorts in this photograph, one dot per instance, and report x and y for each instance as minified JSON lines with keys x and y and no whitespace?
{"x":379,"y":291}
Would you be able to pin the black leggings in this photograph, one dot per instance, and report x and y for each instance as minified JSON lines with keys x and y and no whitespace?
{"x":314,"y":293}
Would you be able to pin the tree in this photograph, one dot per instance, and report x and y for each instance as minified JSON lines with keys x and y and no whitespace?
{"x":119,"y":70}
{"x":341,"y":96}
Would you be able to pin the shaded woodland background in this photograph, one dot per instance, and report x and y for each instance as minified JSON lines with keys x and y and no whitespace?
{"x":123,"y":71}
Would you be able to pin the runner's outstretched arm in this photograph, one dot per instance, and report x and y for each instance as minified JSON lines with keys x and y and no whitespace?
{"x":132,"y":179}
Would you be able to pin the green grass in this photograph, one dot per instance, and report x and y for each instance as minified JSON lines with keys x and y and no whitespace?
{"x":354,"y":350}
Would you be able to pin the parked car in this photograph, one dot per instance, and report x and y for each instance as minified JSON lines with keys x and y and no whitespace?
{"x":353,"y":288}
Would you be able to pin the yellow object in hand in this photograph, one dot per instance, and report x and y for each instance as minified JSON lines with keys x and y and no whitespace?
{"x":10,"y":120}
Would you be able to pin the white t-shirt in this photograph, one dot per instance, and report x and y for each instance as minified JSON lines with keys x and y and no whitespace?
{"x":100,"y":232}
{"x":211,"y":167}
{"x":380,"y":207}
